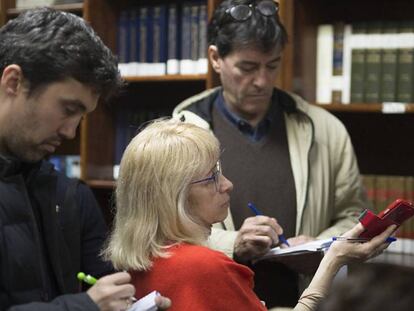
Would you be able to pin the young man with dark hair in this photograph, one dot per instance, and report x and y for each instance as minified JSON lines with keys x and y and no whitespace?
{"x":54,"y":70}
{"x":293,"y":160}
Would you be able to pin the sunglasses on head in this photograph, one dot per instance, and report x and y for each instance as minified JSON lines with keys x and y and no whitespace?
{"x":242,"y":12}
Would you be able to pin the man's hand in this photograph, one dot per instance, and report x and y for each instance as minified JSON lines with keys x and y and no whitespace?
{"x":112,"y":292}
{"x":255,"y":237}
{"x":300,"y":239}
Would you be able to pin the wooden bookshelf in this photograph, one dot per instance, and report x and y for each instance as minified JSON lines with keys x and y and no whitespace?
{"x":167,"y":78}
{"x":381,"y":140}
{"x":101,"y":184}
{"x":363,"y":108}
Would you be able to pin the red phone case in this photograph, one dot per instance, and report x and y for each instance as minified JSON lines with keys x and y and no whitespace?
{"x":396,"y":213}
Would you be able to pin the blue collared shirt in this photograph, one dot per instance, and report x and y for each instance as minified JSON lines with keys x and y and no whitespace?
{"x":255,"y":134}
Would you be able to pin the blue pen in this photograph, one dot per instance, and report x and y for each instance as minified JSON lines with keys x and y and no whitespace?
{"x":254,"y":209}
{"x":361,"y":240}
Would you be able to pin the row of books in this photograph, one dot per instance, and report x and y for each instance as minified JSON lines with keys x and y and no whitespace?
{"x":23,"y":4}
{"x":163,"y":39}
{"x":67,"y":164}
{"x":128,"y":122}
{"x":383,"y":190}
{"x":369,"y":62}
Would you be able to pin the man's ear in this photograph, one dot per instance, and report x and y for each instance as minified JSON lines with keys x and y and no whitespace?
{"x":214,"y":57}
{"x":12,"y":80}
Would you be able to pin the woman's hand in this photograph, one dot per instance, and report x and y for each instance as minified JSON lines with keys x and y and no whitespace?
{"x":345,"y":252}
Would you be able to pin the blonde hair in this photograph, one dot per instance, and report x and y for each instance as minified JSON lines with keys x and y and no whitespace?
{"x":152,"y":189}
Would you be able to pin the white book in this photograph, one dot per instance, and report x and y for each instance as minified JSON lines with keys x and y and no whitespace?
{"x":346,"y":79}
{"x":324,"y":64}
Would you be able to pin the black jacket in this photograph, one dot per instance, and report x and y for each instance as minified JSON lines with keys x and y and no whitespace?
{"x":45,"y":239}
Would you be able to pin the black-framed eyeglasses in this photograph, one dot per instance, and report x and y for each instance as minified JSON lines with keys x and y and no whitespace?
{"x":215,"y":176}
{"x":242,"y":12}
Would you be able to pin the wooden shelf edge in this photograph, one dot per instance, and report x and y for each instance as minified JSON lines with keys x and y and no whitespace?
{"x":100,"y":184}
{"x":70,"y":7}
{"x":166,"y":78}
{"x":361,"y":108}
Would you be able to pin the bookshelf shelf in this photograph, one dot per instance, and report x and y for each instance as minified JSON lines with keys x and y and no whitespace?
{"x":167,"y":78}
{"x":361,"y":108}
{"x":101,"y":184}
{"x":76,"y":8}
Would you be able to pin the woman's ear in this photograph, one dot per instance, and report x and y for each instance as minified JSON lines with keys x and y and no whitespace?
{"x":214,"y":58}
{"x":12,"y":80}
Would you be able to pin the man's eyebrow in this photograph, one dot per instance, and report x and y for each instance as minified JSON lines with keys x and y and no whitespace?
{"x":74,"y":102}
{"x":247,"y":63}
{"x":276,"y":59}
{"x":253,"y":63}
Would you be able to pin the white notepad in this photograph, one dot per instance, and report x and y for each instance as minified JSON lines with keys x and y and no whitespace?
{"x":146,"y":303}
{"x":311,"y":246}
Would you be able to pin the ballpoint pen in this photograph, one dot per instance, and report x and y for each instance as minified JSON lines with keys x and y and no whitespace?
{"x":361,"y":240}
{"x":254,"y":209}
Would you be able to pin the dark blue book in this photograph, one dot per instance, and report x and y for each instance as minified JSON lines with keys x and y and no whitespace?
{"x":185,"y":61}
{"x":174,"y":32}
{"x":134,"y":39}
{"x":123,"y":38}
{"x":143,"y":33}
{"x":202,"y":65}
{"x":159,"y":42}
{"x":121,"y":131}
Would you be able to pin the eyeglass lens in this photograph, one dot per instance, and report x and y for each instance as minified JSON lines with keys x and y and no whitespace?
{"x":242,"y":12}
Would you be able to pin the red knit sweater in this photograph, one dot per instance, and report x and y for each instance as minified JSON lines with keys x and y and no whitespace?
{"x":201,"y":279}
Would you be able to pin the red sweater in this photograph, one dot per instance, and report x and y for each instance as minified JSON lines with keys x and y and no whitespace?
{"x":198,"y":278}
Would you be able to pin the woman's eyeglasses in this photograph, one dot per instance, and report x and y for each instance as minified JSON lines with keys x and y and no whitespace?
{"x":215,"y":176}
{"x":242,"y":12}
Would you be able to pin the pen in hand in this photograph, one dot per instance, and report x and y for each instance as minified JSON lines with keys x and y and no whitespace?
{"x":360,"y":240}
{"x":89,"y":279}
{"x":254,"y":209}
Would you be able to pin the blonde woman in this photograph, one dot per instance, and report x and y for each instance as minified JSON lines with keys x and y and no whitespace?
{"x":170,"y":192}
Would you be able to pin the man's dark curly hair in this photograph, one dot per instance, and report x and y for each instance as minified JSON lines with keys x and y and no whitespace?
{"x":51,"y":46}
{"x":258,"y":31}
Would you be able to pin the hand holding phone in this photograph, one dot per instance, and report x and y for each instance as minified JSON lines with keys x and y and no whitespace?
{"x":395,"y":214}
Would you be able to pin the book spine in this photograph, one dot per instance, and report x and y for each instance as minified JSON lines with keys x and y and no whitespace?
{"x":185,"y":62}
{"x":346,"y":79}
{"x":123,"y":38}
{"x":150,"y":35}
{"x":194,"y":45}
{"x":405,"y":64}
{"x":358,"y":63}
{"x":337,"y":63}
{"x":357,"y":75}
{"x":173,"y":66}
{"x":202,"y":66}
{"x":372,"y":75}
{"x":156,"y":30}
{"x":143,"y":32}
{"x":134,"y":42}
{"x":388,"y":79}
{"x":324,"y":64}
{"x":163,"y":35}
{"x":372,"y":64}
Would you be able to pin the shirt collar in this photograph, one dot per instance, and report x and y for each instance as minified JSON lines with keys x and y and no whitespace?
{"x":255,"y":134}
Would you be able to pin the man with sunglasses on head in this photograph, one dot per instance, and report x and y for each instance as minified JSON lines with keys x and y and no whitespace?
{"x":294,"y":161}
